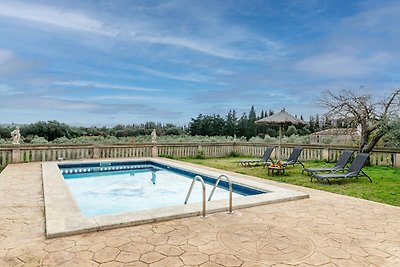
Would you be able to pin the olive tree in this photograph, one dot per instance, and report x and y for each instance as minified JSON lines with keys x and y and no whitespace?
{"x":372,"y":117}
{"x":393,"y":137}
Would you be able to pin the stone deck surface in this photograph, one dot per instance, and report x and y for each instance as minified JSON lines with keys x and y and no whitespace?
{"x":324,"y":230}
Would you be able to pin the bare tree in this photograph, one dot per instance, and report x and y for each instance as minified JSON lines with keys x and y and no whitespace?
{"x":373,"y":118}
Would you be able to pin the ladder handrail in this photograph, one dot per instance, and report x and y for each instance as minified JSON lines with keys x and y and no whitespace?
{"x":230,"y":190}
{"x":198,"y":178}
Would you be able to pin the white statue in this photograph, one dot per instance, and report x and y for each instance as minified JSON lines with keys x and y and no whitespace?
{"x":154,"y":136}
{"x":16,"y":136}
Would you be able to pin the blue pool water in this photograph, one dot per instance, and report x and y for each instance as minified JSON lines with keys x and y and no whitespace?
{"x":116,"y":187}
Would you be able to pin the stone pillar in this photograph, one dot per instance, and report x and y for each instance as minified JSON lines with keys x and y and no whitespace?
{"x":199,"y":150}
{"x":396,"y":160}
{"x":16,"y":154}
{"x":154,"y":150}
{"x":96,"y":152}
{"x":325,"y":153}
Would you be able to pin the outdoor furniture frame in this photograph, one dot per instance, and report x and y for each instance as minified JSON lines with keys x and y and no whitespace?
{"x":339,"y":166}
{"x":276,"y":170}
{"x":294,"y":157}
{"x":266,"y":160}
{"x":355,"y":170}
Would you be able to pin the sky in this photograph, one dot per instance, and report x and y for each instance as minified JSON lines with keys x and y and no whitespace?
{"x":127,"y":61}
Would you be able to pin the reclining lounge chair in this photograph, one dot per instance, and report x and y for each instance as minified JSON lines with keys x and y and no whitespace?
{"x":339,"y":166}
{"x":294,"y":157}
{"x":355,"y":170}
{"x":256,"y":162}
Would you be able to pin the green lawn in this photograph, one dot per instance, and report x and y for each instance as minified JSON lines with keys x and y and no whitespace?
{"x":385,"y":186}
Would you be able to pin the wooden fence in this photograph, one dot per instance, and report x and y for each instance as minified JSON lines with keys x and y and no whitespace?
{"x":37,"y":153}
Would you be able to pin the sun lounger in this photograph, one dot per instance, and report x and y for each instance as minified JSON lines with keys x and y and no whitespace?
{"x":294,"y":157}
{"x":355,"y":170}
{"x":339,"y":166}
{"x":256,"y":162}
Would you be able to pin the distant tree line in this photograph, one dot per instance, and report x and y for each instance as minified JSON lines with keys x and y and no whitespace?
{"x":245,"y":126}
{"x":203,"y":125}
{"x":52,"y":130}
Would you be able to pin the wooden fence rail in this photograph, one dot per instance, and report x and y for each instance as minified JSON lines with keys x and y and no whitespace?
{"x":37,"y":153}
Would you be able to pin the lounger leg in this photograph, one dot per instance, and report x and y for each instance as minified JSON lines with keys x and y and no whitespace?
{"x":300,"y":163}
{"x":366,"y":176}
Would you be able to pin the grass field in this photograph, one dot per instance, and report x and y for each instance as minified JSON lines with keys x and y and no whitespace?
{"x":385,"y":186}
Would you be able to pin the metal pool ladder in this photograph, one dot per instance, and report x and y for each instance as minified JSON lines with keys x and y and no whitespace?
{"x":198,"y":178}
{"x":230,"y":190}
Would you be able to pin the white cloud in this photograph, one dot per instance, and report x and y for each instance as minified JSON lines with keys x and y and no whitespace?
{"x":182,"y":77}
{"x":52,"y":16}
{"x":196,"y":45}
{"x":12,"y":65}
{"x":91,"y":84}
{"x":7,"y":90}
{"x":219,"y":40}
{"x":343,"y":64}
{"x":152,"y":99}
{"x":5,"y":55}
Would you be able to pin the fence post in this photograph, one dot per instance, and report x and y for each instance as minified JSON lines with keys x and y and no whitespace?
{"x":325,"y":153}
{"x":396,"y":162}
{"x":154,"y":150}
{"x":16,"y":154}
{"x":96,"y":152}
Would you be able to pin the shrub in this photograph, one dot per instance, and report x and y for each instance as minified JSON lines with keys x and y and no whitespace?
{"x":3,"y":141}
{"x":39,"y":140}
{"x":234,"y":154}
{"x":166,"y":156}
{"x":62,"y":140}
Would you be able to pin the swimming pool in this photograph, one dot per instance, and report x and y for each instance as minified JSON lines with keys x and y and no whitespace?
{"x":71,"y":210}
{"x":117,"y":187}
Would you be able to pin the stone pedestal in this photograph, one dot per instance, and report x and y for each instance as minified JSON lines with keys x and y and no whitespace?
{"x":154,"y":151}
{"x":325,"y":153}
{"x":96,"y":152}
{"x":199,"y":150}
{"x":16,"y":154}
{"x":396,"y":160}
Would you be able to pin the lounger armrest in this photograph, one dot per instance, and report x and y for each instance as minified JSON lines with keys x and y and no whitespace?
{"x":336,"y":169}
{"x":351,"y":174}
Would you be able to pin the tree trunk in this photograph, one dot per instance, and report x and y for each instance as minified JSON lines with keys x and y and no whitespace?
{"x":368,"y":147}
{"x":363,"y":141}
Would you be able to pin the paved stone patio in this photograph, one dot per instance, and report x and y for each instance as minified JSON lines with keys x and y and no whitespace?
{"x":324,"y":230}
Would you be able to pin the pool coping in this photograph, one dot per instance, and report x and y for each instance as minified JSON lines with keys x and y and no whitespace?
{"x":63,"y":216}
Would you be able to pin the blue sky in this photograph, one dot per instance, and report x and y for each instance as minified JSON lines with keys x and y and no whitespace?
{"x":124,"y":61}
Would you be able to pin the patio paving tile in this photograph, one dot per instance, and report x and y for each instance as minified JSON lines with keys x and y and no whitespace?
{"x":324,"y":230}
{"x":151,"y":257}
{"x":106,"y":254}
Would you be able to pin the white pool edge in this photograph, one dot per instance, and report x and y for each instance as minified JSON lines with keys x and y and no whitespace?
{"x":63,"y":216}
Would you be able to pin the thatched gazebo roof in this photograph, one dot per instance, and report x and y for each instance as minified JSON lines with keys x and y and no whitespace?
{"x":281,"y":118}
